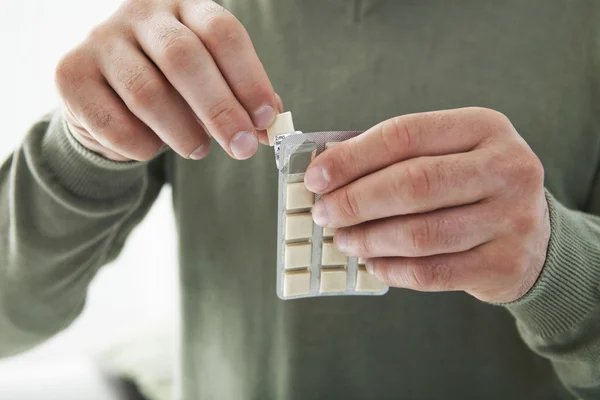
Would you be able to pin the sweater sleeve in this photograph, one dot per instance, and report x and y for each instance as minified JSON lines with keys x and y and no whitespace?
{"x":560,"y":316}
{"x":64,"y":213}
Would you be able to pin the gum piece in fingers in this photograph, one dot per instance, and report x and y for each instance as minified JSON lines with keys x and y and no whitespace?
{"x":283,"y":123}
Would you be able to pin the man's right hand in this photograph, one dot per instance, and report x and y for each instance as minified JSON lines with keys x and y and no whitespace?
{"x":167,"y":72}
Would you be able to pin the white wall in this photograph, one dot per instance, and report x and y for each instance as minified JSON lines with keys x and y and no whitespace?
{"x":138,"y":290}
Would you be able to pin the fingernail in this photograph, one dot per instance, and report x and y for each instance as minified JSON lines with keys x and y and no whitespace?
{"x":243,"y":145}
{"x":200,"y":152}
{"x":341,"y":240}
{"x":263,"y":117}
{"x":316,"y":179}
{"x":320,"y":215}
{"x":369,"y":265}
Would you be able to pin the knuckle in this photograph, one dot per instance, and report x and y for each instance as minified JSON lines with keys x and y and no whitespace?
{"x":400,"y":133}
{"x":145,"y":92}
{"x":66,"y":72}
{"x":99,"y":34}
{"x":100,"y":119}
{"x":525,"y":169}
{"x":363,"y":242}
{"x":176,"y":46}
{"x":139,"y":9}
{"x":132,"y":77}
{"x":533,"y":171}
{"x":421,"y":182}
{"x":525,"y":222}
{"x":223,"y":30}
{"x":441,"y":275}
{"x":257,"y":88}
{"x":421,"y":237}
{"x":492,"y":116}
{"x":432,"y":276}
{"x":498,"y":118}
{"x":427,"y":234}
{"x":420,"y":278}
{"x":348,"y":203}
{"x":221,"y":114}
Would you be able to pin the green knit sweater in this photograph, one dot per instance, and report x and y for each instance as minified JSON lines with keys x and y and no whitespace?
{"x":338,"y":64}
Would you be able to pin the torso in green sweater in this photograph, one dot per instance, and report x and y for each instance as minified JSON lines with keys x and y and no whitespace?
{"x":344,"y":64}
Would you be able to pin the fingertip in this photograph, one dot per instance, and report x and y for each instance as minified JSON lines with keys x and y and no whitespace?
{"x":263,"y":117}
{"x":243,"y":145}
{"x":201,"y":151}
{"x":316,"y":179}
{"x":370,"y":266}
{"x":279,"y":103}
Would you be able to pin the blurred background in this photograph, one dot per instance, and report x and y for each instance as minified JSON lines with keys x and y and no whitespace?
{"x":133,"y":302}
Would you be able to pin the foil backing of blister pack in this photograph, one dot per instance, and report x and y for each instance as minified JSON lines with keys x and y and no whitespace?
{"x":294,"y":152}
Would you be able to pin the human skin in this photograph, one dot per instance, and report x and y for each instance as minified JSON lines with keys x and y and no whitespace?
{"x":167,"y":72}
{"x":447,"y":200}
{"x":439,"y":201}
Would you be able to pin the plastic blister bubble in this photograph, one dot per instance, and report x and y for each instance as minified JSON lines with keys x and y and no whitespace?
{"x":308,"y":264}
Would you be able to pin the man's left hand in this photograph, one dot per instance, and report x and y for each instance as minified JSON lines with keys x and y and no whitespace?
{"x":440,"y":201}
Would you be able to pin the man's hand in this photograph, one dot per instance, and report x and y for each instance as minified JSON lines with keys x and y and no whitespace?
{"x":167,"y":72}
{"x":449,"y":200}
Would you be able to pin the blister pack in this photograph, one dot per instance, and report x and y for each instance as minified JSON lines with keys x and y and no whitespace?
{"x":308,"y":263}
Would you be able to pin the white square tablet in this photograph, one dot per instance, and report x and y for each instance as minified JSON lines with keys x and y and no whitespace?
{"x":331,"y":255}
{"x":365,"y":282}
{"x":298,"y":197}
{"x":361,"y":261}
{"x":296,"y":283}
{"x":333,"y":280}
{"x":298,"y":255}
{"x":284,"y":123}
{"x":298,"y":226}
{"x":329,"y":232}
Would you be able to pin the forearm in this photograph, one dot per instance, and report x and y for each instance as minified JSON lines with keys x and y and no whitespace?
{"x":64,"y":213}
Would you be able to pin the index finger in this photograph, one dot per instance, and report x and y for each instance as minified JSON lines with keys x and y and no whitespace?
{"x":231,"y":47}
{"x":401,"y":138}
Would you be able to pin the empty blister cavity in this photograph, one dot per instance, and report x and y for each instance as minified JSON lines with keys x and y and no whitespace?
{"x":299,"y":159}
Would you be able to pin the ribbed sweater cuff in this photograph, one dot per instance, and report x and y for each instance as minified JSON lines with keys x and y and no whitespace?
{"x":568,"y":289}
{"x":82,"y":172}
